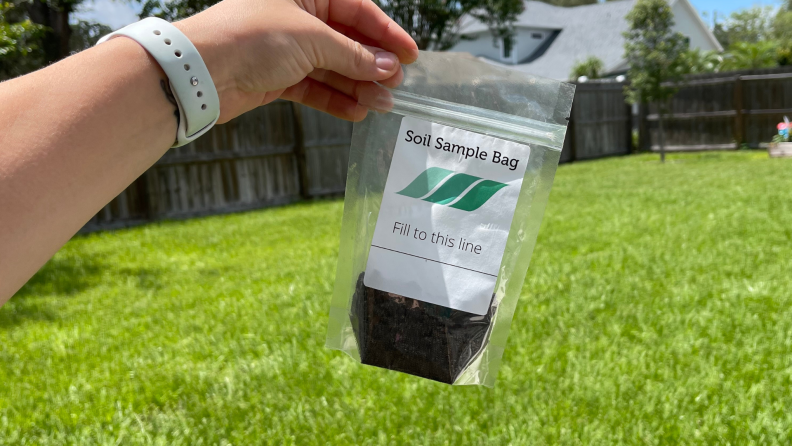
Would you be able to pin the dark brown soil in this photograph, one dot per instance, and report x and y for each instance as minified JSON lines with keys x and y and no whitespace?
{"x":407,"y":335}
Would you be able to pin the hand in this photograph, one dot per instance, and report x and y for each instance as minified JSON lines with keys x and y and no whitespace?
{"x":321,"y":53}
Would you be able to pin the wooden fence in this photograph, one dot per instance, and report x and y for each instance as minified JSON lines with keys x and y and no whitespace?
{"x":273,"y":155}
{"x":722,"y":111}
{"x":600,"y":124}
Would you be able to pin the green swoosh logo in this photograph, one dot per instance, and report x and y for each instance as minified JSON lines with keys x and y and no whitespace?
{"x":449,"y":192}
{"x":479,"y":195}
{"x":425,"y":182}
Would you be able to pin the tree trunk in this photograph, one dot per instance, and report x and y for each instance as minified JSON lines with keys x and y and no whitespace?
{"x":55,"y":17}
{"x":661,"y":134}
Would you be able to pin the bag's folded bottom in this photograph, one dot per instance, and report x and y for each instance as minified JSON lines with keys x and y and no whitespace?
{"x":407,"y":335}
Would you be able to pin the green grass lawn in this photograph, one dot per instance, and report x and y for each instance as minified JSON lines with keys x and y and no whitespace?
{"x":657,"y":309}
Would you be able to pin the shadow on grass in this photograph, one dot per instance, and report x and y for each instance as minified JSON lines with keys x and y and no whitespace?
{"x":64,"y":277}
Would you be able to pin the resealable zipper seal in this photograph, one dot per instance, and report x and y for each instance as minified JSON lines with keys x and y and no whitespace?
{"x":479,"y":120}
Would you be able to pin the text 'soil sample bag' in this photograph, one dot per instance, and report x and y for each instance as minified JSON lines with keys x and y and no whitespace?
{"x":444,"y":199}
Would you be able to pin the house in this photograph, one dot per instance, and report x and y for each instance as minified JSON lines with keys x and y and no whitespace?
{"x":550,"y":39}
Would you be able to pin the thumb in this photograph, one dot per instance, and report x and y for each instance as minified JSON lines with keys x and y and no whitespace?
{"x":335,"y":52}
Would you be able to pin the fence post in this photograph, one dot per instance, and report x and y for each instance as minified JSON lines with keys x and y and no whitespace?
{"x":147,"y":201}
{"x":644,"y":140}
{"x":739,"y":118}
{"x":572,"y":133}
{"x":299,"y":151}
{"x":628,"y":123}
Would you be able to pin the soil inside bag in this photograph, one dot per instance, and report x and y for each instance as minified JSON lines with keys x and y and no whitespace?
{"x":399,"y":333}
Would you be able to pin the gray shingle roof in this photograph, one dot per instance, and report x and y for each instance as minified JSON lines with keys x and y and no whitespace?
{"x":590,"y":30}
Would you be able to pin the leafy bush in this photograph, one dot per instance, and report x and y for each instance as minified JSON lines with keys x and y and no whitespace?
{"x":744,"y":56}
{"x":592,"y":68}
{"x":20,"y":49}
{"x":697,"y":61}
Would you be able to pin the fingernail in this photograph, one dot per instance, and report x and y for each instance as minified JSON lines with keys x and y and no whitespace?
{"x":413,"y":54}
{"x":385,"y":60}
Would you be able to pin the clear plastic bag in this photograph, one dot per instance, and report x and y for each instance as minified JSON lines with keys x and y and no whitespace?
{"x":444,"y":163}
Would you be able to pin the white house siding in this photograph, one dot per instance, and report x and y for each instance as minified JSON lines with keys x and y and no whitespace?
{"x":686,"y":22}
{"x":484,"y":46}
{"x":526,"y":44}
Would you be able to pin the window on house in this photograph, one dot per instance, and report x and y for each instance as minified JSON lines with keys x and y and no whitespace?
{"x":536,"y":35}
{"x":507,"y":48}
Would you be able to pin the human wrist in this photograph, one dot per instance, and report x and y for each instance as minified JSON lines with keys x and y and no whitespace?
{"x":149,"y":80}
{"x":215,"y":49}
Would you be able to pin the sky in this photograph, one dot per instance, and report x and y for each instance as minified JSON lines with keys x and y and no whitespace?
{"x":112,"y":13}
{"x":117,"y":13}
{"x":726,"y":7}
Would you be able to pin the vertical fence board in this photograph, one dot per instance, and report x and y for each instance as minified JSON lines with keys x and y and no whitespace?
{"x":600,"y":124}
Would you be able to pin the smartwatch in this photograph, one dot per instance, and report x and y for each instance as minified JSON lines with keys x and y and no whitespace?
{"x":190,"y":82}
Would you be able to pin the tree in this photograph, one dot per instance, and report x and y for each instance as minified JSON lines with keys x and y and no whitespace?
{"x":748,"y":25}
{"x":592,"y":68}
{"x":54,"y":16}
{"x":499,"y":16}
{"x":745,"y":56}
{"x":720,"y":33}
{"x":26,"y":45}
{"x":20,"y":42}
{"x":433,"y":24}
{"x":782,"y":33}
{"x":655,"y":56}
{"x":782,"y":26}
{"x":569,"y":3}
{"x":752,"y":35}
{"x":784,"y":54}
{"x":174,"y":10}
{"x":85,"y":35}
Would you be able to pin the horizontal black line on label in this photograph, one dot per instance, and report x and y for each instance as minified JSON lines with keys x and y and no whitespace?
{"x":436,"y":261}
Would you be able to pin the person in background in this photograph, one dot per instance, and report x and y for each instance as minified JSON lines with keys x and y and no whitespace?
{"x":75,"y":134}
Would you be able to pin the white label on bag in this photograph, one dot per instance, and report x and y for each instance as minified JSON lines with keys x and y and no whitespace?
{"x":446,"y":213}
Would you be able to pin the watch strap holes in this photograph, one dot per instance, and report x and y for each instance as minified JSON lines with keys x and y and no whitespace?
{"x":178,"y":53}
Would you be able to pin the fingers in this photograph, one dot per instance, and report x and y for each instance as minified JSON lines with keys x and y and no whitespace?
{"x":338,"y":95}
{"x":391,"y":82}
{"x":357,"y":36}
{"x":322,"y":97}
{"x":366,"y":17}
{"x":349,"y":86}
{"x":333,"y":51}
{"x":341,"y":83}
{"x":353,"y":34}
{"x":368,"y":94}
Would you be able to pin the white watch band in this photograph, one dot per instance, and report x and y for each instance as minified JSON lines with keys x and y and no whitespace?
{"x":190,"y":82}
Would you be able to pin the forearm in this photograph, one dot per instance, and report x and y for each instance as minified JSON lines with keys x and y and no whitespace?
{"x":72,"y":137}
